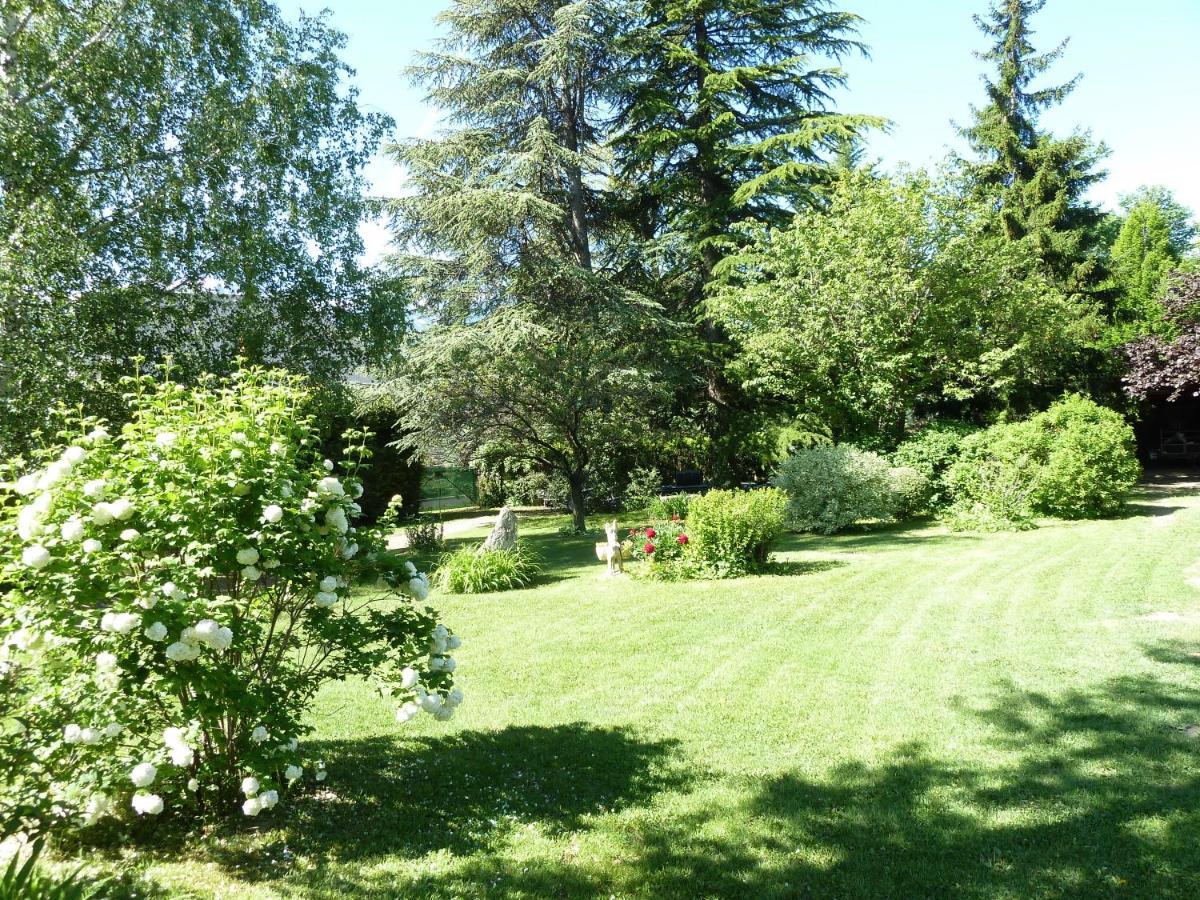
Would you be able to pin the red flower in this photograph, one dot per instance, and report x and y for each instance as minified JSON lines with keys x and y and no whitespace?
{"x":650,"y":532}
{"x":683,"y":539}
{"x":649,"y":548}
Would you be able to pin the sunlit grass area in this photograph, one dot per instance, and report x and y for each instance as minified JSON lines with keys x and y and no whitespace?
{"x":895,"y":712}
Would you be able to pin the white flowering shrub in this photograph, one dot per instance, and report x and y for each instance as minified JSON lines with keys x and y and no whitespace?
{"x":173,"y":595}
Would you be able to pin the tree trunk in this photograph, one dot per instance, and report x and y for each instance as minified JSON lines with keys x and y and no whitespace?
{"x":577,"y":480}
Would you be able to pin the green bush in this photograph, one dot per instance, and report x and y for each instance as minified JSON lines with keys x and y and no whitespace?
{"x":910,"y":488}
{"x":425,"y":535}
{"x":674,"y":506}
{"x":931,"y":451}
{"x":642,"y":490}
{"x":1090,"y":463}
{"x":730,"y":532}
{"x":994,"y":478}
{"x":1076,"y":460}
{"x":474,"y":571}
{"x":831,"y":488}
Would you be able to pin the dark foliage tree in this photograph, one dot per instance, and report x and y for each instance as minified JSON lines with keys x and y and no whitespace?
{"x":1168,"y":367}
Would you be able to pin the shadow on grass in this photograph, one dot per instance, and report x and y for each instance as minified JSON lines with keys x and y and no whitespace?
{"x":1085,"y":794}
{"x":889,"y":536}
{"x":789,"y":567}
{"x":460,"y":794}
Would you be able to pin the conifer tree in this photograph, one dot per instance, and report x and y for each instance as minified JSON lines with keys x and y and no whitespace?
{"x":1142,"y":259}
{"x":1035,"y":181}
{"x":724,"y":112}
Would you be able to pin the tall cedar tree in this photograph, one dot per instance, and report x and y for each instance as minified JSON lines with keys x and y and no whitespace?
{"x":505,"y":238}
{"x":723,"y":112}
{"x":1035,"y":181}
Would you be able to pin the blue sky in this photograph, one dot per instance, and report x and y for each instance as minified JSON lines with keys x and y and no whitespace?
{"x":1139,"y":60}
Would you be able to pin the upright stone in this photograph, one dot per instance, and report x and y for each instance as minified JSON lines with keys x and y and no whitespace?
{"x":504,"y":533}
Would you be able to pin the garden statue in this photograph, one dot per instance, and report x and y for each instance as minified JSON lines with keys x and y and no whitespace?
{"x":610,"y":551}
{"x":504,"y":534}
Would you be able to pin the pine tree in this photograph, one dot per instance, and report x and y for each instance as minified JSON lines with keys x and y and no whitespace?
{"x":1035,"y":182}
{"x":724,"y":113}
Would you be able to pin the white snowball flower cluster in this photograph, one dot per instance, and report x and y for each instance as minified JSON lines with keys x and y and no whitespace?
{"x":104,"y":512}
{"x":147,"y":804}
{"x":179,"y":749}
{"x":256,"y":802}
{"x":272,"y":514}
{"x":207,"y":633}
{"x":36,"y":557}
{"x":120,"y":623}
{"x":143,"y":774}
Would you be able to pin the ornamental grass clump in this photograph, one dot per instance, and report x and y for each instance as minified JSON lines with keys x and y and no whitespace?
{"x":174,"y":594}
{"x":471,"y":570}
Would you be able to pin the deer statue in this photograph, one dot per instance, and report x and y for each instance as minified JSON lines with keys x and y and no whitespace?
{"x":610,"y":551}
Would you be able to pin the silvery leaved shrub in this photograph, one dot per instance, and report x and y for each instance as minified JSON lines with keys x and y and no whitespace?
{"x":174,"y":593}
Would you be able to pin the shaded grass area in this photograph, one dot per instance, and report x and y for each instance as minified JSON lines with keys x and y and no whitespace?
{"x":895,"y":712}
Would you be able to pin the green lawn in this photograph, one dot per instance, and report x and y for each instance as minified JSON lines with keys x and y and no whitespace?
{"x":900,"y":712}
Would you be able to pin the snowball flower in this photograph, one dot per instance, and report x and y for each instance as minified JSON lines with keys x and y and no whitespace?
{"x":130,"y":534}
{"x":121,"y":509}
{"x":272,"y":513}
{"x":268,"y":799}
{"x":72,"y":734}
{"x":321,"y":775}
{"x":251,"y":573}
{"x":455,"y":697}
{"x":247,"y":556}
{"x":120,"y":623}
{"x":328,"y":464}
{"x":73,"y":455}
{"x":72,"y":529}
{"x":410,"y":568}
{"x":147,"y":804}
{"x":403,"y":714}
{"x":331,"y":486}
{"x":182,"y":755}
{"x":222,"y":640}
{"x":250,"y":785}
{"x":205,"y":629}
{"x":26,"y":485}
{"x":408,"y":678}
{"x":329,"y":583}
{"x":143,"y":774}
{"x":181,"y":652}
{"x":94,"y":489}
{"x":453,"y":642}
{"x":102,"y":513}
{"x":98,"y":435}
{"x":259,"y":735}
{"x":325,"y":599}
{"x":349,"y":551}
{"x":336,"y":519}
{"x":156,"y":632}
{"x":277,"y":449}
{"x":165,"y":439}
{"x":173,"y":737}
{"x":36,"y":557}
{"x":431,"y":703}
{"x":96,"y":807}
{"x":291,"y":773}
{"x":193,"y":785}
{"x":105,"y":662}
{"x":419,"y":588}
{"x":91,"y":545}
{"x":252,"y":807}
{"x":89,"y":736}
{"x":113,"y":729}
